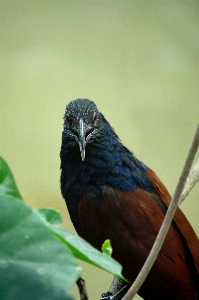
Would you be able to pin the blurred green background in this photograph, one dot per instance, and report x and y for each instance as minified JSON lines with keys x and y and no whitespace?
{"x":138,"y":60}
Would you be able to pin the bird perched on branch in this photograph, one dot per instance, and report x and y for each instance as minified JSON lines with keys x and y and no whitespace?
{"x":110,"y":194}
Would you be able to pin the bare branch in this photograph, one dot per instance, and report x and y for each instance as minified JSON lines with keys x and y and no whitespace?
{"x":166,"y":223}
{"x":191,"y":181}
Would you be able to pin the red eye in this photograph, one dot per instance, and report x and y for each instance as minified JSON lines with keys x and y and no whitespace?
{"x":68,"y":120}
{"x":95,"y":118}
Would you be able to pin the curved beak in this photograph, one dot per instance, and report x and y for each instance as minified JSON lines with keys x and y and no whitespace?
{"x":82,"y":141}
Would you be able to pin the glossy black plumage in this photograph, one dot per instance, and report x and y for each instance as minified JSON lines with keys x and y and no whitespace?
{"x":111,"y":194}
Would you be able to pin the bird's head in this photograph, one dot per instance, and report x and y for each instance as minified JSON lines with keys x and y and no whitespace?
{"x":82,"y":123}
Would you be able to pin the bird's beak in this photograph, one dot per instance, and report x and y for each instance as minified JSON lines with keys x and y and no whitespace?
{"x":82,"y":142}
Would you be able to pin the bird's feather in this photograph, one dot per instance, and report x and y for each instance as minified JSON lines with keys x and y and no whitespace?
{"x":131,"y":220}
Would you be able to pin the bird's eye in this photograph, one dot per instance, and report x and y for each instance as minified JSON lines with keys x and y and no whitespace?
{"x":95,"y":118}
{"x":68,"y":120}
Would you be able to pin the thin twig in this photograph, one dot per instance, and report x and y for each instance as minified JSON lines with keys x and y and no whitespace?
{"x":166,"y":223}
{"x":82,"y":289}
{"x":191,"y":181}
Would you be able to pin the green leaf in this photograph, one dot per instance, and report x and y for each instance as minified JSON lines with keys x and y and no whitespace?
{"x":7,"y":183}
{"x":51,"y":215}
{"x":107,"y":248}
{"x":36,"y":260}
{"x":34,"y":263}
{"x":84,"y":251}
{"x":80,"y":248}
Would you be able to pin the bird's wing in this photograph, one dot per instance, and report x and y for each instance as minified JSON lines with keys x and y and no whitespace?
{"x":179,"y":218}
{"x":132,"y":220}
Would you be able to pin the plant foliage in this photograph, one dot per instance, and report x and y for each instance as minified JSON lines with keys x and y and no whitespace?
{"x":37,"y":256}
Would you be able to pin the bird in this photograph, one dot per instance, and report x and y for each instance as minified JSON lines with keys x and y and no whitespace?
{"x":111,"y":194}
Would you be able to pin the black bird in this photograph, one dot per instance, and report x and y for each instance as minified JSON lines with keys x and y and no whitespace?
{"x":111,"y":194}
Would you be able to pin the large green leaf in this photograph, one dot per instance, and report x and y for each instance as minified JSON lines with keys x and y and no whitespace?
{"x":34,"y":263}
{"x":79,"y":247}
{"x":84,"y":251}
{"x":36,"y":260}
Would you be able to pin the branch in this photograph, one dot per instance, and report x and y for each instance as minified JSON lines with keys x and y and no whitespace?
{"x":166,"y":223}
{"x":191,"y":181}
{"x":82,"y":289}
